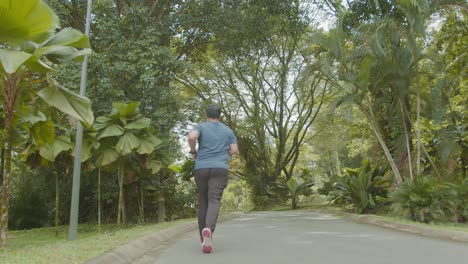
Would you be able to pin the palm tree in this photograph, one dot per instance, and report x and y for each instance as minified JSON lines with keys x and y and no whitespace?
{"x":123,"y":133}
{"x":378,"y":60}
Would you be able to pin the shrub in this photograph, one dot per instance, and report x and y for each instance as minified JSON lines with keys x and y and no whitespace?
{"x":292,"y":189}
{"x":29,"y":204}
{"x":426,"y":199}
{"x":363,"y":187}
{"x":462,"y":190}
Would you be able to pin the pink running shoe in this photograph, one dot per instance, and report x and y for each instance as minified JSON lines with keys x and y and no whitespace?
{"x":207,"y":243}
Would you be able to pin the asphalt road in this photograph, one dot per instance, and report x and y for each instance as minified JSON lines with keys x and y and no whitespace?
{"x":306,"y":237}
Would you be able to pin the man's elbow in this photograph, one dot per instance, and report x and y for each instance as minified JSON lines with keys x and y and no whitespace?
{"x":233,"y":150}
{"x":193,"y":136}
{"x":192,"y":140}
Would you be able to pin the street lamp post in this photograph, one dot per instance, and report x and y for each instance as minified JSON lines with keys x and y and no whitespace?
{"x":79,"y":140}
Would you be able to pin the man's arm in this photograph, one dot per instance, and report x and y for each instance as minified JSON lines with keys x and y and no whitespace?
{"x":192,"y":140}
{"x":233,"y":150}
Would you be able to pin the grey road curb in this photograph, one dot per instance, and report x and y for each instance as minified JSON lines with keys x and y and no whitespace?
{"x":135,"y":249}
{"x":452,"y":235}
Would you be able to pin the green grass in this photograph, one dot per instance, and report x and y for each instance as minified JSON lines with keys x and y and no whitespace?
{"x":441,"y":226}
{"x":41,"y":246}
{"x":399,"y":219}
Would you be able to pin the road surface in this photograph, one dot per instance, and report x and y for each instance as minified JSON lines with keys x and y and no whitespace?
{"x":292,"y":237}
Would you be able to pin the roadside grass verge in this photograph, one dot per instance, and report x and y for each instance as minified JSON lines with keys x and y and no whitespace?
{"x":441,"y":226}
{"x":41,"y":246}
{"x":396,"y":219}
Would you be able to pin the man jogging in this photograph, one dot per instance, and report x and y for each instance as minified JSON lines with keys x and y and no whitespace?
{"x":216,"y":142}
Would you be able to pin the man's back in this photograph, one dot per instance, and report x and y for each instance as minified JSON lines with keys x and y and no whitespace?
{"x":214,"y":140}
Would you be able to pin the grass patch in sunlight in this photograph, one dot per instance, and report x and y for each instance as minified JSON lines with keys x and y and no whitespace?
{"x":41,"y":246}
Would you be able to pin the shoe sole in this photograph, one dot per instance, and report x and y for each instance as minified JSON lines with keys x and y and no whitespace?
{"x":206,"y":245}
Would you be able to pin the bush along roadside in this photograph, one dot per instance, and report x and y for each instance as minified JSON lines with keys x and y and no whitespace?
{"x":426,"y":199}
{"x":365,"y":188}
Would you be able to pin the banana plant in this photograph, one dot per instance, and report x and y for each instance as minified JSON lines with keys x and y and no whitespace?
{"x":30,"y":47}
{"x":124,"y":134}
{"x":293,"y":188}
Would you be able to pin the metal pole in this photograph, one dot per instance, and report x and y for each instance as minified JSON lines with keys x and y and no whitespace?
{"x":79,"y":140}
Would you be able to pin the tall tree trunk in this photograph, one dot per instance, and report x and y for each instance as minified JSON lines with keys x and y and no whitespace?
{"x":408,"y":147}
{"x":432,"y":162}
{"x":161,"y":209}
{"x":418,"y":131}
{"x":464,"y":161}
{"x":99,"y":199}
{"x":124,"y":206}
{"x":162,"y":200}
{"x":2,"y":165}
{"x":385,"y":149}
{"x":119,"y":210}
{"x":5,"y":195}
{"x":294,"y":202}
{"x":57,"y":202}
{"x":338,"y":165}
{"x":11,"y":92}
{"x":142,"y":203}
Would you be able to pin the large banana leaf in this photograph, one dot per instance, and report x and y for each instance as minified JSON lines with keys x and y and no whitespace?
{"x":33,"y":118}
{"x":34,"y":64}
{"x":39,"y":130}
{"x":140,"y":123}
{"x":11,"y":60}
{"x":146,"y":146}
{"x":43,"y":133}
{"x":79,"y":55}
{"x":154,"y":165}
{"x":69,"y":37}
{"x":102,"y":122}
{"x":110,"y":131}
{"x":127,"y":143}
{"x":56,"y":53}
{"x":86,"y":148}
{"x":25,"y":20}
{"x":106,"y":157}
{"x":126,"y":110}
{"x":68,"y":102}
{"x":51,"y":151}
{"x":155,"y":140}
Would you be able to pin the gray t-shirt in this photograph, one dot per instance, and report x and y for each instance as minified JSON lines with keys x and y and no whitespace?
{"x":213,"y":145}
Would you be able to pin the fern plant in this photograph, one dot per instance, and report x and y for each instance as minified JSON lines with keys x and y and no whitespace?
{"x":425,"y":200}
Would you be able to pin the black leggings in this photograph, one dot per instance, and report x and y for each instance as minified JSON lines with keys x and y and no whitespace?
{"x":210,"y":185}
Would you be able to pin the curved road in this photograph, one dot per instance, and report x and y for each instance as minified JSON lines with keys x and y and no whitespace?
{"x":292,"y":237}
